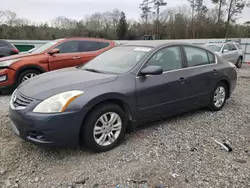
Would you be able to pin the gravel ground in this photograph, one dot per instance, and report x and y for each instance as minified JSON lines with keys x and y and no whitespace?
{"x":176,"y":152}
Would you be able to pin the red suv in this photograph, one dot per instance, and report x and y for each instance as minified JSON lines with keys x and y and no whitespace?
{"x":54,"y":55}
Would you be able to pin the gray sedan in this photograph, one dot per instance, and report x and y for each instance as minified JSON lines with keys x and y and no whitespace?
{"x":96,"y":103}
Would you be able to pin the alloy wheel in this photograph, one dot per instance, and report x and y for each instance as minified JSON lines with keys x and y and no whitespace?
{"x":219,"y":96}
{"x":28,"y":76}
{"x":107,"y":129}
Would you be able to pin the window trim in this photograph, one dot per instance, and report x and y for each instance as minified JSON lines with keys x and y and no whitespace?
{"x":146,"y":61}
{"x":184,"y":58}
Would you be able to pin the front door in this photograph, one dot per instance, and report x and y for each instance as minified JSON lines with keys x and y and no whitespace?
{"x":162,"y":95}
{"x":68,"y":56}
{"x":233,"y":53}
{"x":226,"y":53}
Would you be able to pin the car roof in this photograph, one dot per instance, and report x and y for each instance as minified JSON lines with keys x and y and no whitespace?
{"x":152,"y":44}
{"x":87,"y":38}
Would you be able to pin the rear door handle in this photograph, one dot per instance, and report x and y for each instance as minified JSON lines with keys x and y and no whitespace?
{"x":182,"y":80}
{"x":77,"y":57}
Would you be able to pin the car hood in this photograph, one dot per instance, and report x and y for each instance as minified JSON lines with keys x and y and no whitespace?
{"x":52,"y":83}
{"x":17,"y":56}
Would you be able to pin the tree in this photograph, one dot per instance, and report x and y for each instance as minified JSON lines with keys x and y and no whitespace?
{"x":235,"y":7}
{"x":146,"y":10}
{"x":198,"y":9}
{"x":122,"y":27}
{"x":221,"y":4}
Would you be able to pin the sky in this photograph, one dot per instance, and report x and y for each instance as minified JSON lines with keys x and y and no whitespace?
{"x":47,"y":10}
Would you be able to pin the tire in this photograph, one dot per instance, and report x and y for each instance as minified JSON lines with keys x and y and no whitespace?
{"x":239,"y":62}
{"x":212,"y":106}
{"x":25,"y":73}
{"x":90,"y":140}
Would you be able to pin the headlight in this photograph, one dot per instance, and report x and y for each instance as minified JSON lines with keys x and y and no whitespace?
{"x":8,"y":62}
{"x":57,"y":103}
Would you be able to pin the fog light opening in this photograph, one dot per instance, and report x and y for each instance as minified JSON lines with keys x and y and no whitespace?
{"x":37,"y":135}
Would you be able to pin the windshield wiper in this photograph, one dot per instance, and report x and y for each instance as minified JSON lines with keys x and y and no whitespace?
{"x":93,"y":70}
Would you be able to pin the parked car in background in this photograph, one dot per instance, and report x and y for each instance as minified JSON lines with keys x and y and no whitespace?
{"x":230,"y":51}
{"x":54,"y":55}
{"x":96,"y":103}
{"x":7,"y":49}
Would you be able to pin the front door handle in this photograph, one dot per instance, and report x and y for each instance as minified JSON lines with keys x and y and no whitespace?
{"x":182,"y":80}
{"x":77,"y":57}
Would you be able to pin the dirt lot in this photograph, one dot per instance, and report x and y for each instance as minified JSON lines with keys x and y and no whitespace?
{"x":176,"y":152}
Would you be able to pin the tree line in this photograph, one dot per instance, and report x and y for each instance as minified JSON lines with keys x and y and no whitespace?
{"x":194,"y":21}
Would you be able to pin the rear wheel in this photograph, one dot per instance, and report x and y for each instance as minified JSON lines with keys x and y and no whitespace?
{"x":239,"y":62}
{"x":26,"y":75}
{"x":104,"y":128}
{"x":219,"y":96}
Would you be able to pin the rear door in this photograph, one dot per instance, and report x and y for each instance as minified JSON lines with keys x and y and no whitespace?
{"x":201,"y":75}
{"x":69,"y":55}
{"x":90,"y":49}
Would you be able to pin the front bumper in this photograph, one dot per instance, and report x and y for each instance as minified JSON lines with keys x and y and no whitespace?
{"x":10,"y":81}
{"x":52,"y":130}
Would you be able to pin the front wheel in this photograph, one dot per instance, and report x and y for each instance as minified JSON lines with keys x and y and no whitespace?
{"x":104,"y":128}
{"x":26,"y":75}
{"x":218,"y":98}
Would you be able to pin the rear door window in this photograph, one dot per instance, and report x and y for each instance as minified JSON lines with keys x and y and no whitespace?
{"x":196,"y":56}
{"x":211,"y":57}
{"x":91,"y":46}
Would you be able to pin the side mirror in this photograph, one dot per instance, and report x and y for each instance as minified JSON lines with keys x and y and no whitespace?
{"x":152,"y":70}
{"x":54,"y":51}
{"x":225,"y":51}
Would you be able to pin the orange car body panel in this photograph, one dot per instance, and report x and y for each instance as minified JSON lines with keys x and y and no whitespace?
{"x":46,"y":62}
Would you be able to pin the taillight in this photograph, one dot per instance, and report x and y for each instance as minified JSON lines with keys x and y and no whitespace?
{"x":14,"y":50}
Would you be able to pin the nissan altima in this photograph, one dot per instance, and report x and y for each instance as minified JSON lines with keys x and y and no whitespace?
{"x":95,"y":104}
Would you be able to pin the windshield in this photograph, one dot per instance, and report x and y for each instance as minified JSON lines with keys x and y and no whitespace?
{"x":214,"y":48}
{"x":45,"y":46}
{"x":118,"y":60}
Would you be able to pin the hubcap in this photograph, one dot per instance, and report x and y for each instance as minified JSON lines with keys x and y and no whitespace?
{"x":107,"y":129}
{"x":219,"y":96}
{"x":28,"y":76}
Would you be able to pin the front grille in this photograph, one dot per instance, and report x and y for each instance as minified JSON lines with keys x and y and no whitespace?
{"x":21,"y":101}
